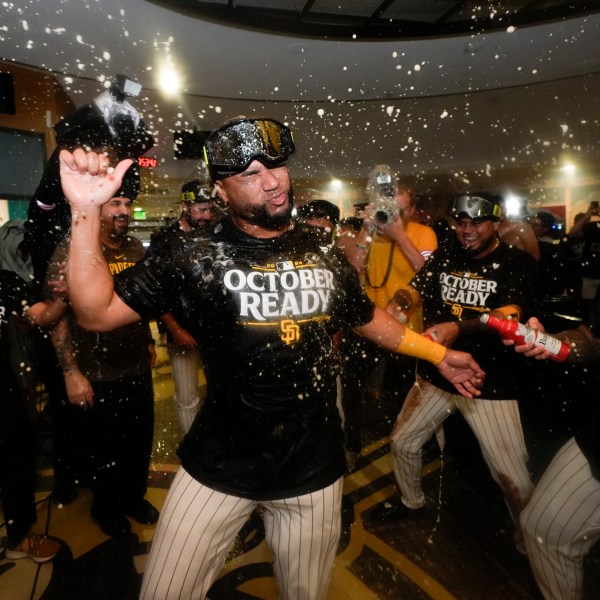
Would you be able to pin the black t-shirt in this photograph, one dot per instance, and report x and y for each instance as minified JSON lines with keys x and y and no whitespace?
{"x":263,"y":312}
{"x":172,"y":239}
{"x":454,"y":286}
{"x":15,"y":297}
{"x":110,"y":355}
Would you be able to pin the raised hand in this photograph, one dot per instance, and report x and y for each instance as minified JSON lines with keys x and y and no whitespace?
{"x":86,"y":178}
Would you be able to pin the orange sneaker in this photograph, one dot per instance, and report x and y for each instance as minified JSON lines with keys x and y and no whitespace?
{"x":35,"y":546}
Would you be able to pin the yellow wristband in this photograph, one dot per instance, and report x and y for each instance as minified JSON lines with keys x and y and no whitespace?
{"x":418,"y":346}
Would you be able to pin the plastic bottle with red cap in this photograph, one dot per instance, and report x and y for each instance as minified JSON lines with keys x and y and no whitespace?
{"x":521,"y":334}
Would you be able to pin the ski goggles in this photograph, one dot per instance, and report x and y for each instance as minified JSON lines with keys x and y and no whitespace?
{"x":476,"y":208}
{"x":232,"y":147}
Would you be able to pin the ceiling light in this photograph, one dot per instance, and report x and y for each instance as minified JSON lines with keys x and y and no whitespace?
{"x":169,"y":80}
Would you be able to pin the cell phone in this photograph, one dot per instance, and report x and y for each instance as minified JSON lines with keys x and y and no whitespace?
{"x":594,"y":204}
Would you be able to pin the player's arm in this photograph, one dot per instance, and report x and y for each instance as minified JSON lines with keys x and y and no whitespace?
{"x":79,"y":389}
{"x":87,"y":185}
{"x":529,"y":241}
{"x":180,"y":335}
{"x":457,"y":367}
{"x":356,"y":249}
{"x":396,"y":232}
{"x":44,"y":314}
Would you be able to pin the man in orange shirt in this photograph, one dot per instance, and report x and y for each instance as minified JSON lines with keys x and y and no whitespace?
{"x":389,"y":249}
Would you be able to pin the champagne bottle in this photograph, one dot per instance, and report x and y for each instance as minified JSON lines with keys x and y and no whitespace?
{"x":521,"y":334}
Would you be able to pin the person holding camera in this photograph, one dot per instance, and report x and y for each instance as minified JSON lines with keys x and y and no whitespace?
{"x":388,"y":251}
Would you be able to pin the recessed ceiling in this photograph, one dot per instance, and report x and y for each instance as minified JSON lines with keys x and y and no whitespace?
{"x":384,"y":19}
{"x":484,"y":100}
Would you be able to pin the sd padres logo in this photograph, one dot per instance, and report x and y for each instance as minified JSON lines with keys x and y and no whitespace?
{"x":290,"y":332}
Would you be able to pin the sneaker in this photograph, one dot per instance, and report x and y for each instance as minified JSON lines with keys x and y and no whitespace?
{"x":112,"y":524}
{"x":143,"y":513}
{"x":34,"y":546}
{"x":395,"y":510}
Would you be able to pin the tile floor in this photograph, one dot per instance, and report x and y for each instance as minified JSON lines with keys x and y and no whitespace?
{"x":462,"y":548}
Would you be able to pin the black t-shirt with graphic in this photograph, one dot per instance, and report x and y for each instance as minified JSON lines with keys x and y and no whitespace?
{"x":454,"y":286}
{"x":263,"y":312}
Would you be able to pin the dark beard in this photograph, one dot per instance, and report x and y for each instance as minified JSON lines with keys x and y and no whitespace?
{"x":260,"y":216}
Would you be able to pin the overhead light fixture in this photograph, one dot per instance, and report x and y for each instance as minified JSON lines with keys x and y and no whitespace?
{"x":169,"y":80}
{"x":513,"y":205}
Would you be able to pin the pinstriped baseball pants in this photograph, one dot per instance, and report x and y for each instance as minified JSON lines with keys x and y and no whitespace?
{"x":561,"y":523}
{"x":496,"y":425}
{"x":185,"y":363}
{"x":198,"y":524}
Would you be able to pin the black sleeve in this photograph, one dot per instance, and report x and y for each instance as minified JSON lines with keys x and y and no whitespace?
{"x":148,"y":286}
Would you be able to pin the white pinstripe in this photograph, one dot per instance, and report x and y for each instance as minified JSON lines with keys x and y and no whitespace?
{"x":185,"y":364}
{"x":561,"y":523}
{"x":496,"y":425}
{"x":198,"y":524}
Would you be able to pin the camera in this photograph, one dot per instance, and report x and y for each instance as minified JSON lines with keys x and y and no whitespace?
{"x":382,"y":189}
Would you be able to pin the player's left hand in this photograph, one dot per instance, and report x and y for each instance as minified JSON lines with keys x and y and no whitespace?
{"x":463,"y":372}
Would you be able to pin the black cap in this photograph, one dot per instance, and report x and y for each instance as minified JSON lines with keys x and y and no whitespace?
{"x":195,"y":191}
{"x":320,"y":209}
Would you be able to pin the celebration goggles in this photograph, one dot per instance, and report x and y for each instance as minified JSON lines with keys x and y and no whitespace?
{"x":476,"y":208}
{"x":232,"y":147}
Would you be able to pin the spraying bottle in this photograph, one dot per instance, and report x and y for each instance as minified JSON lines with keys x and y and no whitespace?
{"x":521,"y":334}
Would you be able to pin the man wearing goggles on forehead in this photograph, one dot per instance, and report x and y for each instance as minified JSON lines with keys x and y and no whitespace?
{"x":263,"y":300}
{"x":461,"y":282}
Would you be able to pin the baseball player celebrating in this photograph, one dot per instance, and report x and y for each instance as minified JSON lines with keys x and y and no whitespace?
{"x":197,"y":213}
{"x":560,"y":522}
{"x":479,"y":275}
{"x":263,"y":298}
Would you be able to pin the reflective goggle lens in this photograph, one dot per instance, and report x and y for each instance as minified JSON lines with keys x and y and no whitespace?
{"x":231,"y":148}
{"x":476,"y":207}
